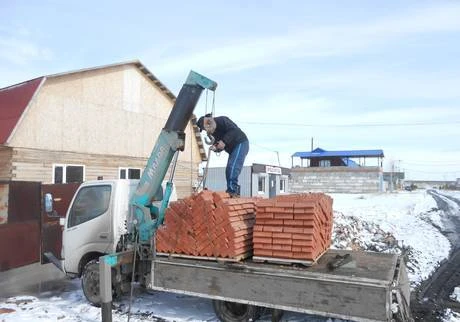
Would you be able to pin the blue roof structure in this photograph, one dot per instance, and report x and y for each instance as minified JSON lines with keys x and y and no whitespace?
{"x":320,"y":153}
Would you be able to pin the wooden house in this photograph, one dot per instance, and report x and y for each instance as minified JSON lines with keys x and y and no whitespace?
{"x":96,"y":123}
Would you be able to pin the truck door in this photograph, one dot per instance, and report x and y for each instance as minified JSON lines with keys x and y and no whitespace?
{"x":50,"y":222}
{"x":88,"y":225}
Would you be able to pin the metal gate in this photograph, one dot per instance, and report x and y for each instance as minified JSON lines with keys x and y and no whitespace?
{"x":51,"y":232}
{"x":20,"y":224}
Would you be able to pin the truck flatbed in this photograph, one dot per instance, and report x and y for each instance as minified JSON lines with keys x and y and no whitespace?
{"x":364,"y":289}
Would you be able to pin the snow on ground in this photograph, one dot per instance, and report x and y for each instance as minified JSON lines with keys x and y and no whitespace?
{"x":408,"y":216}
{"x":72,"y":306}
{"x":456,"y":294}
{"x":396,"y":222}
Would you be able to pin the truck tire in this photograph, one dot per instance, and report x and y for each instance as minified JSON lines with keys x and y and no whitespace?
{"x":90,"y":283}
{"x":236,"y":312}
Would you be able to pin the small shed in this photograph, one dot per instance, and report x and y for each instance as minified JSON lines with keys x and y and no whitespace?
{"x":256,"y":180}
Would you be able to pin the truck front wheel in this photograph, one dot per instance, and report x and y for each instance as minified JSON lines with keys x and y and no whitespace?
{"x":90,"y":283}
{"x":236,"y":312}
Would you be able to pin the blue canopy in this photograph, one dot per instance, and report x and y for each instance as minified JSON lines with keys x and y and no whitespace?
{"x":320,"y":153}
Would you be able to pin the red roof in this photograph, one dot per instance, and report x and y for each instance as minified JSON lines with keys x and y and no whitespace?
{"x":13,"y":102}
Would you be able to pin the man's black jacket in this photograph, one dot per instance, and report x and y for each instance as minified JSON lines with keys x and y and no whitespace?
{"x":228,"y":132}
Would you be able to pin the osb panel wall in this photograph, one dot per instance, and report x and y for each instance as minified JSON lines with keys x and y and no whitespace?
{"x":112,"y":111}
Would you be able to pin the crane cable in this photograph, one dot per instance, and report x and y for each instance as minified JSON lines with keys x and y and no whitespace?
{"x":210,"y":142}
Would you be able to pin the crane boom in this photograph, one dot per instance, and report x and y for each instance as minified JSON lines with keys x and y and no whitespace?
{"x":144,"y":217}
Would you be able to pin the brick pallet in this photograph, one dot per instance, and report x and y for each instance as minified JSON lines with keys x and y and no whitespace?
{"x":208,"y":224}
{"x":293,"y":228}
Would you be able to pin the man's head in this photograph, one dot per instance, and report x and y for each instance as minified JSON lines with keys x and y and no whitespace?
{"x":207,"y":123}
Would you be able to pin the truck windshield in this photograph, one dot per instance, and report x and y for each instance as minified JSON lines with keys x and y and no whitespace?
{"x":90,"y":203}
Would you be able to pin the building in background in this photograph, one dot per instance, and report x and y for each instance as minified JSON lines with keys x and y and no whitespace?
{"x":96,"y":123}
{"x":257,"y":180}
{"x":351,"y":171}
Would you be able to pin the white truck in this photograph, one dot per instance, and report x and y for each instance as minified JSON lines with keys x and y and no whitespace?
{"x":109,"y":241}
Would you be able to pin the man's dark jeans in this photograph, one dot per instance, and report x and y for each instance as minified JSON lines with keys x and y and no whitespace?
{"x":234,"y":165}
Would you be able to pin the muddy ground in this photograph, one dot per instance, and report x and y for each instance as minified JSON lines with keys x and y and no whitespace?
{"x":431,"y":298}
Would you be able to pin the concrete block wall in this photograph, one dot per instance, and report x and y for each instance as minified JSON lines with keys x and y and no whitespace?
{"x":336,"y":180}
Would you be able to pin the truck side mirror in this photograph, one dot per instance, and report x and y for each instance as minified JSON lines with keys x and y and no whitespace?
{"x":48,"y":203}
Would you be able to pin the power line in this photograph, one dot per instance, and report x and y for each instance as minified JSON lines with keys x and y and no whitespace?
{"x":351,"y":125}
{"x":437,"y":172}
{"x":432,"y":164}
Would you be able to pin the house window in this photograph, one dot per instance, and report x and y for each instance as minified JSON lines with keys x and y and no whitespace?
{"x":90,"y":202}
{"x":129,"y":173}
{"x":325,"y":163}
{"x":261,"y":185}
{"x":65,"y":173}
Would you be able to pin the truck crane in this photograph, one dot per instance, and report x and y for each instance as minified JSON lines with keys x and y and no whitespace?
{"x":109,"y":241}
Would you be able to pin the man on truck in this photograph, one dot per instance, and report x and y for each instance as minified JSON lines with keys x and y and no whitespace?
{"x":230,"y":138}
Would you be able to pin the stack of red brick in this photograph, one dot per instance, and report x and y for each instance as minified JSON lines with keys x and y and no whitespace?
{"x":208,"y":224}
{"x":293,"y":227}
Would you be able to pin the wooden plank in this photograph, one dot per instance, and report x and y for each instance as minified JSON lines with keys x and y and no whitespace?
{"x":207,"y":258}
{"x":285,"y":261}
{"x":37,"y":165}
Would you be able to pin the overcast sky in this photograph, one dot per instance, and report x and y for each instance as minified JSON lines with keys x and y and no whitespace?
{"x":349,"y":74}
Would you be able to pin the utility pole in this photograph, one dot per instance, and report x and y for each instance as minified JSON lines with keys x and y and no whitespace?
{"x":391,"y":175}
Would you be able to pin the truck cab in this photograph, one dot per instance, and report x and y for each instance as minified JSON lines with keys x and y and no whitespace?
{"x":95,"y":222}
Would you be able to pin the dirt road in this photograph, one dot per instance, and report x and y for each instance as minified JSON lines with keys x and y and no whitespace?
{"x":432,"y":297}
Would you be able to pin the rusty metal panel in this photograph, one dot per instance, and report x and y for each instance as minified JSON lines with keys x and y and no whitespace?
{"x":51,"y":234}
{"x":4,"y":192}
{"x":13,"y":102}
{"x":24,"y":201}
{"x":19,"y":244}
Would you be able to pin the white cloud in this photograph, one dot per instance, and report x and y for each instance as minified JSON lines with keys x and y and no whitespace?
{"x":17,"y":47}
{"x":315,"y":42}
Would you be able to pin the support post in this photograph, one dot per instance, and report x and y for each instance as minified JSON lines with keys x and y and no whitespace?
{"x":105,"y":289}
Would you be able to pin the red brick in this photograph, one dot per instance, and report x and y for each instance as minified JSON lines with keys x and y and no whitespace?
{"x":282,"y":235}
{"x":281,"y":241}
{"x":295,"y":230}
{"x":263,"y":252}
{"x":270,"y":228}
{"x":262,"y":234}
{"x":273,"y":222}
{"x":282,"y":254}
{"x":299,"y":242}
{"x":264,"y":240}
{"x":280,"y":215}
{"x":302,"y":236}
{"x":293,"y":222}
{"x":265,"y":215}
{"x":281,"y":247}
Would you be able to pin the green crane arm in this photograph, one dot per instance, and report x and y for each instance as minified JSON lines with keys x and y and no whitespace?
{"x":145,"y":217}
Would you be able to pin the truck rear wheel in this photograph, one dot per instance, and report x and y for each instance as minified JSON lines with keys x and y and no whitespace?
{"x":236,"y":312}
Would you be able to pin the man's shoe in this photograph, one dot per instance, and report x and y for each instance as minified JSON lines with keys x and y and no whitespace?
{"x":234,"y":195}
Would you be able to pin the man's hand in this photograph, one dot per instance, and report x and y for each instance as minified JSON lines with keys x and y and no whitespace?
{"x":220,"y":145}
